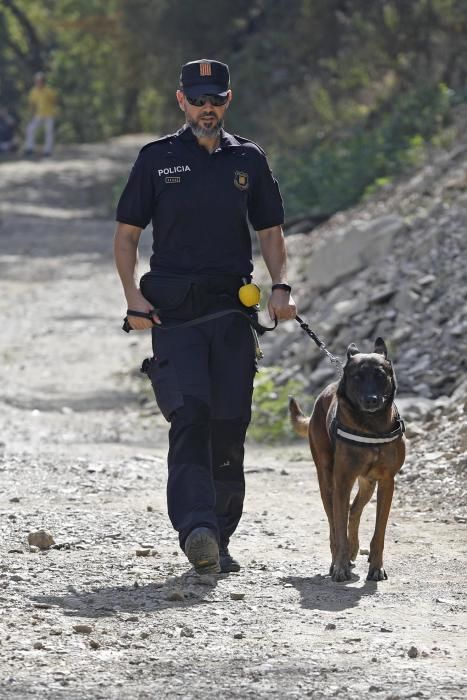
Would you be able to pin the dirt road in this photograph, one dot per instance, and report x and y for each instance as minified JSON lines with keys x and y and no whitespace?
{"x":113,"y":611}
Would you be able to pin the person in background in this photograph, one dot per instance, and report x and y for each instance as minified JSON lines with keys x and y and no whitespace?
{"x":42,"y":101}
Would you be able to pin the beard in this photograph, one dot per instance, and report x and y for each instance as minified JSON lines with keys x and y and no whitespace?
{"x":201,"y":131}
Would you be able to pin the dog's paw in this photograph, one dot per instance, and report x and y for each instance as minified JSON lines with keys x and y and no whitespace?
{"x":340,"y":573}
{"x":376,"y":574}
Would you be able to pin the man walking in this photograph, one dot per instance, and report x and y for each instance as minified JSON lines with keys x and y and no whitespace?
{"x":42,"y":101}
{"x":200,"y":186}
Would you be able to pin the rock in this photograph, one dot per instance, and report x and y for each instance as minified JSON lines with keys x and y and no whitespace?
{"x":82,"y":629}
{"x":143,"y":552}
{"x":412,"y":652}
{"x":38,"y":645}
{"x":93,"y":644}
{"x":176,"y":595}
{"x":186,"y":631}
{"x":364,"y":552}
{"x":237,"y":596}
{"x":322,"y":374}
{"x":33,"y":549}
{"x":41,"y":539}
{"x":330,"y":626}
{"x":360,"y":244}
{"x":238,"y":635}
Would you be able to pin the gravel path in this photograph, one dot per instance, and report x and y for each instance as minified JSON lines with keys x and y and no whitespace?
{"x":112,"y":609}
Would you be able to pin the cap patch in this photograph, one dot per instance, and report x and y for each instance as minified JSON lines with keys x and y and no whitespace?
{"x":204,"y":69}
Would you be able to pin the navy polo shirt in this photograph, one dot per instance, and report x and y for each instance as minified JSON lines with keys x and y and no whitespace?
{"x":200,"y":202}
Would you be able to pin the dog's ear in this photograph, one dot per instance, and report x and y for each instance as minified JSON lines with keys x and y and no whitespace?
{"x":380,"y":348}
{"x":352,"y":350}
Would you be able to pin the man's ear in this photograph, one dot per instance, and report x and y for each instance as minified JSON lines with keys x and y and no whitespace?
{"x":180,"y":98}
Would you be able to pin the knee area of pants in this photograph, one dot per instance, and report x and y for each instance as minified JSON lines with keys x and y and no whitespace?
{"x":193,"y":412}
{"x":231,"y":431}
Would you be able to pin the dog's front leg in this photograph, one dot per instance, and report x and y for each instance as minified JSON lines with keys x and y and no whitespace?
{"x":343,"y":482}
{"x":383,"y":506}
{"x":365,"y":492}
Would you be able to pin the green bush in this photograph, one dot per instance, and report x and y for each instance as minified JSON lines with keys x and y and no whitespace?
{"x":270,"y":416}
{"x":332,"y":174}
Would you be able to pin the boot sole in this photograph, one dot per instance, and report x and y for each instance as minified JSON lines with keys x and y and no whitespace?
{"x":202,"y":551}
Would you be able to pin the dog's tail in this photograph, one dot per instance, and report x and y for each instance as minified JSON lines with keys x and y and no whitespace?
{"x":299,"y":421}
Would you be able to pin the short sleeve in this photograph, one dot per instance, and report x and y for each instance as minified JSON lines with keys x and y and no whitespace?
{"x":265,"y":207}
{"x":136,"y":203}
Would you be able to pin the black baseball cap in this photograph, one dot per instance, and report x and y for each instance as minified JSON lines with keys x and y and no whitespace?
{"x":205,"y":77}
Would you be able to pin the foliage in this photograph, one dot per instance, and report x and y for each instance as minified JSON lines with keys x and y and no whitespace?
{"x":341,"y":93}
{"x":270,"y":422}
{"x":341,"y":168}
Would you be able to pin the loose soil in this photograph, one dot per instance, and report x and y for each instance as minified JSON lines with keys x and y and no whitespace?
{"x":112,"y":610}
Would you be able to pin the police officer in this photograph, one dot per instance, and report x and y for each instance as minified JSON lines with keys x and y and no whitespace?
{"x":199,"y":187}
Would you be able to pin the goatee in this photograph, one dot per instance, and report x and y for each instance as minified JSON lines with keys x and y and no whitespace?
{"x":206,"y":131}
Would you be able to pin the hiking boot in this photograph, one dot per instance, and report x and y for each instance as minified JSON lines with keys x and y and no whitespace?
{"x":227,"y":562}
{"x":202,"y":551}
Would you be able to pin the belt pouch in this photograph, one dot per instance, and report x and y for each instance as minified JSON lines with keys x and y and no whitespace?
{"x":178,"y":298}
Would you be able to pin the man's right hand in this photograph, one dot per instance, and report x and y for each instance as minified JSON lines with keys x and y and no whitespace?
{"x":136,"y":302}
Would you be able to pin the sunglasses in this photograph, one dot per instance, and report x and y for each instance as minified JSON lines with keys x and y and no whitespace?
{"x":214,"y":100}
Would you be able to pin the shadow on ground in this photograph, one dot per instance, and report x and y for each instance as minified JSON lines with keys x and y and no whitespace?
{"x":322,"y":593}
{"x":183,"y":591}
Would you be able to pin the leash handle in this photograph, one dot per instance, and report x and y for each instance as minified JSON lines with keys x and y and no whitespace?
{"x":141,"y":314}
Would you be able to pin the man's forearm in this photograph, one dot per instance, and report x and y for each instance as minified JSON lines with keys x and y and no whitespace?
{"x":126,"y":256}
{"x":273,"y":250}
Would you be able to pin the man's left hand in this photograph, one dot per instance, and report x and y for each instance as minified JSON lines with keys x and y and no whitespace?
{"x":281,"y":305}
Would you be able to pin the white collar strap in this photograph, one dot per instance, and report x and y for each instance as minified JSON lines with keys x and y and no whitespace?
{"x":341,"y":432}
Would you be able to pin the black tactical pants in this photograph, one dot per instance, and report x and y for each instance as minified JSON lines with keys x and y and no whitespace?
{"x":203,"y":379}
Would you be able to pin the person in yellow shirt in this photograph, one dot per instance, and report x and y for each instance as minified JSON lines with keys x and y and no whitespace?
{"x":42,"y":101}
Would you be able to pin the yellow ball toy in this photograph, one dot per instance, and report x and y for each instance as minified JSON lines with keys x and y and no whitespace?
{"x":249,"y":294}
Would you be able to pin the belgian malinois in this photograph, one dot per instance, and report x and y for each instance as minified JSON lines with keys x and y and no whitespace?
{"x":355,"y":432}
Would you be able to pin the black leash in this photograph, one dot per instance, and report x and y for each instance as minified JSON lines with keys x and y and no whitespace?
{"x":335,"y":360}
{"x":195,"y":321}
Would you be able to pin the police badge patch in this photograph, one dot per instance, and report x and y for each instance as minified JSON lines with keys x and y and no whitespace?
{"x":241,"y":180}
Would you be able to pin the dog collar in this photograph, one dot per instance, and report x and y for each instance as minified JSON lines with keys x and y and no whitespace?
{"x":341,"y":432}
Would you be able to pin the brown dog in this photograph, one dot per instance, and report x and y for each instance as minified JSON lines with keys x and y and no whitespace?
{"x":355,"y":432}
